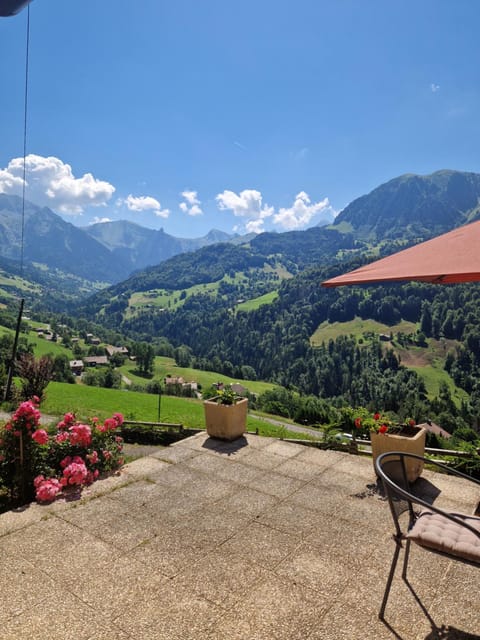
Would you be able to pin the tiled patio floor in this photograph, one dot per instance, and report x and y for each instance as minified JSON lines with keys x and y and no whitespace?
{"x":254,"y":540}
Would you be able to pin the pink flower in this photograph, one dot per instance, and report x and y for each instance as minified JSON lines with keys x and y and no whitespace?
{"x":118,"y":417}
{"x":110,"y":424}
{"x":106,"y":454}
{"x":46,"y":489}
{"x":75,"y":473}
{"x":92,"y":457}
{"x":28,"y":412}
{"x":65,"y":462}
{"x":68,"y":420}
{"x":81,"y":435}
{"x":40,"y":436}
{"x":61,"y":437}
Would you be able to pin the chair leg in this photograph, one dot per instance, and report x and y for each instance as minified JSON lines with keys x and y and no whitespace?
{"x":398,"y":546}
{"x":405,"y":560}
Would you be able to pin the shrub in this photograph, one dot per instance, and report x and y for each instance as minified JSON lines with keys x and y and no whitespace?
{"x":36,"y":463}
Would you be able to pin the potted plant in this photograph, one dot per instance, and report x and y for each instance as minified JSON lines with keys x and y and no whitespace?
{"x":386,"y":436}
{"x":226,"y":414}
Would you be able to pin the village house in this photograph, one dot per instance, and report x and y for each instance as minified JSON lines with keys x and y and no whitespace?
{"x":111,"y":350}
{"x":76,"y":367}
{"x":95,"y":361}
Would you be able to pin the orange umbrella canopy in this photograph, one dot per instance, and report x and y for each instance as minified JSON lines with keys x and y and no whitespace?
{"x":451,"y":257}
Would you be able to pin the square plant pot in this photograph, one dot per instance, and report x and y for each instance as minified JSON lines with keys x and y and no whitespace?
{"x":413,"y":442}
{"x":226,"y":421}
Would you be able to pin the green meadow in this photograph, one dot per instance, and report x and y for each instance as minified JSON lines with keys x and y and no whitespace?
{"x":255,"y":303}
{"x":166,"y":366}
{"x":88,"y":402}
{"x":357,"y":327}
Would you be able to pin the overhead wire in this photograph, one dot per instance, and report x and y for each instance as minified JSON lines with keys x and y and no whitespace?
{"x":11,"y":366}
{"x":25,"y":121}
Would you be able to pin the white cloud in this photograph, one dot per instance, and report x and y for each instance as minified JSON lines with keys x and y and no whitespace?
{"x":50,"y":182}
{"x":192,"y":204}
{"x":434,"y":87}
{"x":300,"y":213}
{"x":144,"y":203}
{"x":97,"y":220}
{"x":247,"y":204}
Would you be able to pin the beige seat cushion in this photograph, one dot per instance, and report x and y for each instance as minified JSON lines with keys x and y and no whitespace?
{"x":436,"y":532}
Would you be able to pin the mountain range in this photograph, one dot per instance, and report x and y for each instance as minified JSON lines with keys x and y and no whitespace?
{"x":405,"y":210}
{"x":106,"y":252}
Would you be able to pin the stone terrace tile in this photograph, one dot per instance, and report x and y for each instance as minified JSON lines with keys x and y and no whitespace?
{"x":402,"y":612}
{"x":262,"y":545}
{"x":73,"y":620}
{"x":262,"y":459}
{"x":340,"y":538}
{"x":144,"y":467}
{"x":275,"y":609}
{"x":292,"y":518}
{"x":168,"y":553}
{"x":325,"y":575}
{"x":284,"y":449}
{"x":463,"y":616}
{"x":171,"y":613}
{"x":177,"y":475}
{"x":229,"y":470}
{"x":20,"y":518}
{"x":321,"y":458}
{"x":275,"y":484}
{"x":321,"y":499}
{"x":115,"y":586}
{"x":48,"y":543}
{"x":221,"y":578}
{"x":209,"y":527}
{"x":20,"y":595}
{"x":296,"y":468}
{"x":248,"y":502}
{"x":174,"y":454}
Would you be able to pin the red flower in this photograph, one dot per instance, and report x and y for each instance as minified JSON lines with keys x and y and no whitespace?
{"x":376,"y":416}
{"x":358,"y":423}
{"x":411,"y":422}
{"x":383,"y":429}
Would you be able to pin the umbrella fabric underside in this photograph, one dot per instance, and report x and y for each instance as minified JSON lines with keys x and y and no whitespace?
{"x":451,"y":257}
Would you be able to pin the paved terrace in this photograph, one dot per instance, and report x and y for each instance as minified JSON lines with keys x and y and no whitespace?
{"x":254,"y":540}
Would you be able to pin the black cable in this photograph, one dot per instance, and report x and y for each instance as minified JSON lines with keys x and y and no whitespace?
{"x":25,"y":140}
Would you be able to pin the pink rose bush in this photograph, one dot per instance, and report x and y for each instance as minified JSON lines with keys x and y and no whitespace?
{"x":42,"y":463}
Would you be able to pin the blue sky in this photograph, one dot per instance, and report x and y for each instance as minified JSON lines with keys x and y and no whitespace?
{"x":248,"y":116}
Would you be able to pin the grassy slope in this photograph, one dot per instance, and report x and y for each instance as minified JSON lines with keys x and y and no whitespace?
{"x":87,"y":402}
{"x":164,"y":366}
{"x":428,"y":362}
{"x":357,"y":327}
{"x":251,"y":305}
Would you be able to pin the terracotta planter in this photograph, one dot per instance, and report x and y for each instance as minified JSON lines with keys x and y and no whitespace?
{"x":411,"y":443}
{"x":226,"y":421}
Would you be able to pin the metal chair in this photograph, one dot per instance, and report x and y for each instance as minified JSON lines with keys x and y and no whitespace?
{"x":451,"y":534}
